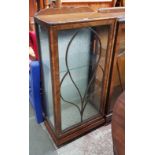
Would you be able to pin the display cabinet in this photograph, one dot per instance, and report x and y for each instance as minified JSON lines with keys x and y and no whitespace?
{"x":117,"y":75}
{"x":76,"y":54}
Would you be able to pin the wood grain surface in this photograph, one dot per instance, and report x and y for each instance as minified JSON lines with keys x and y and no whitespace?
{"x":118,"y":125}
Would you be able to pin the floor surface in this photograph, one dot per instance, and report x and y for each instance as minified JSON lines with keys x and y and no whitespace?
{"x":98,"y":142}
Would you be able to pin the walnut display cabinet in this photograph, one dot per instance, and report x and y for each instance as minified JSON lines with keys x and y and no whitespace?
{"x":76,"y":51}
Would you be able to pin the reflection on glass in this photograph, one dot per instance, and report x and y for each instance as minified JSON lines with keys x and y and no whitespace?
{"x":81,"y":64}
{"x":45,"y":59}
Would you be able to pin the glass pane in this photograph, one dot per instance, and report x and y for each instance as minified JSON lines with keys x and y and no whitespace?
{"x":118,"y":75}
{"x":81,"y":65}
{"x":45,"y":59}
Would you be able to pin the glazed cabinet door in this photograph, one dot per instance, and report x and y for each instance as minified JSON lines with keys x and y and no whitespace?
{"x":84,"y":55}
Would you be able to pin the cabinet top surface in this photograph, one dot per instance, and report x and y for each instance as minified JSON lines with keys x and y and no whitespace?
{"x":76,"y":15}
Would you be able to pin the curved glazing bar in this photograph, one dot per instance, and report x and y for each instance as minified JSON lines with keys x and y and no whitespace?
{"x":68,"y":72}
{"x":80,"y":65}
